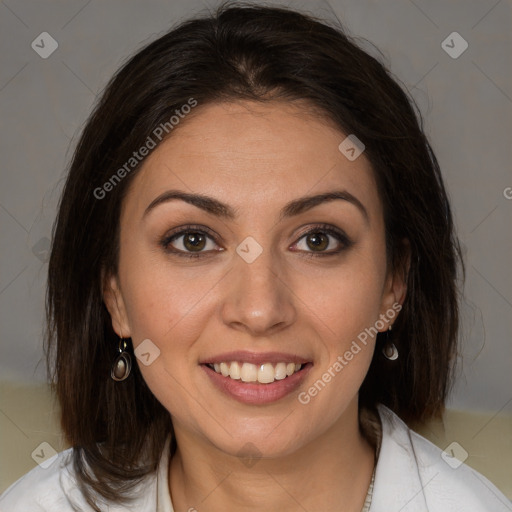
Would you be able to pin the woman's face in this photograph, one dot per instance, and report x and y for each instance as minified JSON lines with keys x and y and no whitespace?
{"x":255,"y":274}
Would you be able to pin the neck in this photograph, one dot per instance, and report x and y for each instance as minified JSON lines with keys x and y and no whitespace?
{"x":331,"y":473}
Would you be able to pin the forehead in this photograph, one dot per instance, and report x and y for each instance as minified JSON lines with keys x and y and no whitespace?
{"x":252,"y":155}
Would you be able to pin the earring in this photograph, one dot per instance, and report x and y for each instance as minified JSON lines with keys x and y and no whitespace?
{"x":389,"y":350}
{"x":122,"y":363}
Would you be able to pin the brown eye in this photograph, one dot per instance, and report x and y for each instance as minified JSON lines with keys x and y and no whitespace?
{"x":189,"y":242}
{"x":323,"y":240}
{"x":317,"y":241}
{"x":194,"y":241}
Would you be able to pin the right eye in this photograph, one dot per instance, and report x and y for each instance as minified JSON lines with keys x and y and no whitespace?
{"x":189,"y":242}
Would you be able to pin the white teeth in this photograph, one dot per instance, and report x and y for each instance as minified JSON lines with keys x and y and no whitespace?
{"x":224,"y":369}
{"x":264,"y":373}
{"x":234,"y":371}
{"x":249,"y":372}
{"x":280,"y":371}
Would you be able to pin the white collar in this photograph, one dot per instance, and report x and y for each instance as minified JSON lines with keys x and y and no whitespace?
{"x":163,"y":500}
{"x":398,"y":485}
{"x":410,"y":476}
{"x":394,"y":459}
{"x":163,"y":496}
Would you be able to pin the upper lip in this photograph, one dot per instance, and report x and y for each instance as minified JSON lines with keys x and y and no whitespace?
{"x":256,"y":358}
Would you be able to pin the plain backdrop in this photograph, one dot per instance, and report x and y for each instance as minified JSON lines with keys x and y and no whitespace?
{"x":466,"y":102}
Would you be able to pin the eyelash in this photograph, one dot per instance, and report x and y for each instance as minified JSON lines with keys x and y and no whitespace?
{"x":339,"y":235}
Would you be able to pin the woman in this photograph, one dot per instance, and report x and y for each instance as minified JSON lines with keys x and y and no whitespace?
{"x":252,"y":285}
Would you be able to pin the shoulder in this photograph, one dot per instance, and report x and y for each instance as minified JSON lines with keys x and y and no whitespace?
{"x":54,"y":488}
{"x":419,"y":476}
{"x":42,"y":488}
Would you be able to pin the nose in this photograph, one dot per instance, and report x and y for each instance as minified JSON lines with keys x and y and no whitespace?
{"x":259,"y":300}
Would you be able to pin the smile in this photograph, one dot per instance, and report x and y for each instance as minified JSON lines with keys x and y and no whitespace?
{"x":265,"y":373}
{"x":256,"y":378}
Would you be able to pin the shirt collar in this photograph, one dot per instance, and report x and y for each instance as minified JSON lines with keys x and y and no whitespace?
{"x":398,"y":485}
{"x":163,"y":496}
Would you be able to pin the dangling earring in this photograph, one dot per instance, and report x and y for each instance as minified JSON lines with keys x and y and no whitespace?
{"x":389,"y":350}
{"x":122,"y":363}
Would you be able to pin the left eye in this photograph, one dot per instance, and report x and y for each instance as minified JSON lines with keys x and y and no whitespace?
{"x":318,"y":240}
{"x":321,"y":241}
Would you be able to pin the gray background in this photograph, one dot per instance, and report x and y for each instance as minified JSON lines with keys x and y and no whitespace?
{"x":466,"y":103}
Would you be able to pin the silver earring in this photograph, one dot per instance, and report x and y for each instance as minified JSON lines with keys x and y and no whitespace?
{"x":122,"y":365}
{"x":389,"y":350}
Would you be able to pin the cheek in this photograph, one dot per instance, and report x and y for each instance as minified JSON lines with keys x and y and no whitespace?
{"x":348,"y":308}
{"x":349,"y":297}
{"x":166,"y":309}
{"x":348,"y":313}
{"x":161,"y":297}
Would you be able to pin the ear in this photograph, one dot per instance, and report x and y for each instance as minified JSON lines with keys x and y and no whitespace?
{"x":395,"y":287}
{"x":114,"y":302}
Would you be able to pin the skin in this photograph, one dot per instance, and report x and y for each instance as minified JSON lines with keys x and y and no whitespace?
{"x":256,"y":158}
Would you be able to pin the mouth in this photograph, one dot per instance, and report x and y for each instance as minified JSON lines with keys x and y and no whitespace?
{"x":265,"y":373}
{"x":256,"y":378}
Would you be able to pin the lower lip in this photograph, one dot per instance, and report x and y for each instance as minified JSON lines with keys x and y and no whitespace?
{"x":254,"y":392}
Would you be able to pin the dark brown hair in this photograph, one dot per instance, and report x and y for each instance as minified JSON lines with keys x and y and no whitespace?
{"x":243,"y":52}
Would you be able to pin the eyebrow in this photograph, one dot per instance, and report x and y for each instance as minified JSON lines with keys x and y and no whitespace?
{"x":224,"y":211}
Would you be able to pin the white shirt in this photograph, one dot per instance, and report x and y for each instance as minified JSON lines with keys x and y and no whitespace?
{"x":410,"y":476}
